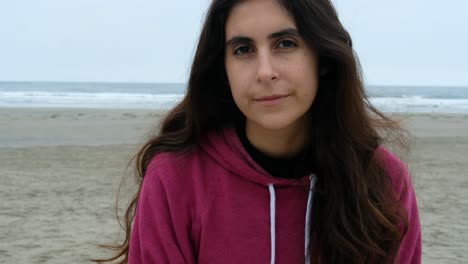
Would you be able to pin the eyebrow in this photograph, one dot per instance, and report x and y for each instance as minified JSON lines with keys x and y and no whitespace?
{"x":282,"y":33}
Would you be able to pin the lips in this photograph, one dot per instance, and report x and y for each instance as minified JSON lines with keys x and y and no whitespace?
{"x":271,"y":100}
{"x":271,"y":97}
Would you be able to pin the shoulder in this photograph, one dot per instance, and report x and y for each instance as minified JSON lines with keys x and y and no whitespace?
{"x":171,"y":167}
{"x":168,"y":165}
{"x":165,"y":164}
{"x":395,"y":168}
{"x":388,"y":160}
{"x":184,"y":176}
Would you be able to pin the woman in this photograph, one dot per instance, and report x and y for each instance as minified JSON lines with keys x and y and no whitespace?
{"x":274,"y":153}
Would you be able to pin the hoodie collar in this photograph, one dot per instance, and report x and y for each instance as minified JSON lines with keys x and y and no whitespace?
{"x":225,"y":147}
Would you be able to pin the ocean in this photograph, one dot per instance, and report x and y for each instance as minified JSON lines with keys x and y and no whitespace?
{"x":165,"y":95}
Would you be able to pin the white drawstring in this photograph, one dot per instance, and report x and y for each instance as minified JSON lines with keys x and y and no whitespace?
{"x":313,"y":179}
{"x":271,"y":188}
{"x":272,"y":222}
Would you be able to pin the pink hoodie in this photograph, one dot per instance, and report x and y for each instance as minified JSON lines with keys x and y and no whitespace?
{"x":216,"y":205}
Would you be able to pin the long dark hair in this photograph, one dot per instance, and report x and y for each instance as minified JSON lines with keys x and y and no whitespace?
{"x":357,"y":217}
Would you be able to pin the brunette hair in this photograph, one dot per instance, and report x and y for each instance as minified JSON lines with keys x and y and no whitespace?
{"x":357,"y":216}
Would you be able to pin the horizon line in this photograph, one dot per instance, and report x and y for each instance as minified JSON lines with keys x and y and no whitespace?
{"x":184,"y":83}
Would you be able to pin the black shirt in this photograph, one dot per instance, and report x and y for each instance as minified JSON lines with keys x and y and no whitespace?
{"x":291,"y":167}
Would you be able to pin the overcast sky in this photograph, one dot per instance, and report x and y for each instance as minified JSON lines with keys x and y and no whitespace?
{"x":399,"y":42}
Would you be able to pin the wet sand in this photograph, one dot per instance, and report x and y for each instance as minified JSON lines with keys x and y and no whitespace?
{"x":60,"y":171}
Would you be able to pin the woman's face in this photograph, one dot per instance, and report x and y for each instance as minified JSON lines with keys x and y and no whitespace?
{"x":272,"y":72}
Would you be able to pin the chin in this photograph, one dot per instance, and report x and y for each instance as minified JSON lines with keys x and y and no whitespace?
{"x":275,"y":123}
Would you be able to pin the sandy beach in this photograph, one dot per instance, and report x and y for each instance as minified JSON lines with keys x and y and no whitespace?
{"x":61,"y":169}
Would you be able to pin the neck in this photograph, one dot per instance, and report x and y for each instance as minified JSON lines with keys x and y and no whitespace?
{"x":285,"y":142}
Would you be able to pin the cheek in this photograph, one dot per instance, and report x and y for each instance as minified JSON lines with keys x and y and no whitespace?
{"x":236,"y":95}
{"x":306,"y":81}
{"x":239,"y":91}
{"x":240,"y":96}
{"x":306,"y":74}
{"x":238,"y":81}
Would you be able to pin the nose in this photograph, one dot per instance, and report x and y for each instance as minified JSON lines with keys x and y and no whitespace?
{"x":266,"y":70}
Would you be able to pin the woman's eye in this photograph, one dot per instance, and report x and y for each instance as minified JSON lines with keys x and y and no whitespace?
{"x":286,"y":44}
{"x":242,"y":50}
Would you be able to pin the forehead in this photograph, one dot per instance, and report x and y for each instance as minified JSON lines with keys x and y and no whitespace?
{"x":257,"y":18}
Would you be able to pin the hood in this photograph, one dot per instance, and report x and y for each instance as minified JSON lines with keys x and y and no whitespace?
{"x":225,"y":147}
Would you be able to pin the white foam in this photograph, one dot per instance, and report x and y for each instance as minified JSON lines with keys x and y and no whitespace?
{"x":419,"y":104}
{"x":88,"y":100}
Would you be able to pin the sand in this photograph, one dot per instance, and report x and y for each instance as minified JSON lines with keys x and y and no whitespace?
{"x":60,"y":171}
